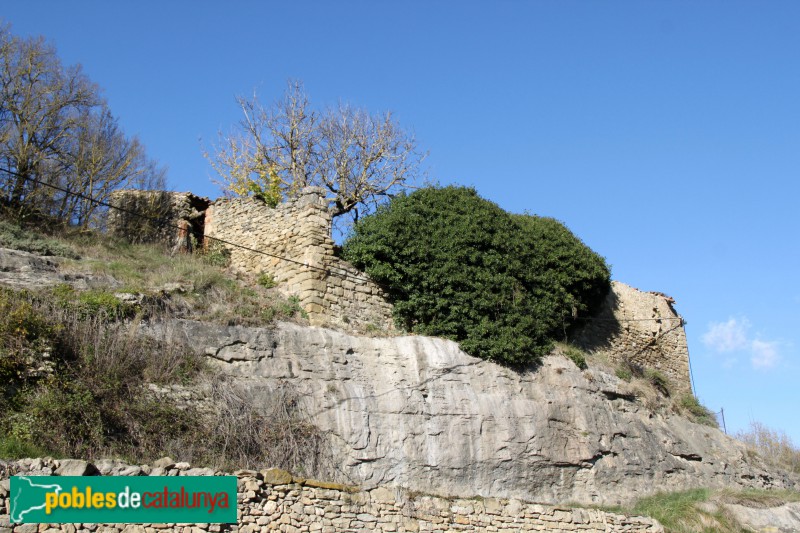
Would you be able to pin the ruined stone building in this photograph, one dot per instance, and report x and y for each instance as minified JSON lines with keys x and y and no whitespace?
{"x":292,"y":243}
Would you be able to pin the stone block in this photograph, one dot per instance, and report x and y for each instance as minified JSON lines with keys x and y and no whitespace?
{"x":276,"y":476}
{"x":76,"y":467}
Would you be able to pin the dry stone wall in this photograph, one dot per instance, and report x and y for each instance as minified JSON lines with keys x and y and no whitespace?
{"x":274,"y":500}
{"x":642,"y":328}
{"x":292,"y":243}
{"x":175,"y":218}
{"x":299,"y":256}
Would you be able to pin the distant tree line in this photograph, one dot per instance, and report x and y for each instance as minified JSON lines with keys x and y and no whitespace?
{"x":56,"y":128}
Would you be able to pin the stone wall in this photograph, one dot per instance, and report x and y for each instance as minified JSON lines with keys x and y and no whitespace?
{"x":292,"y":243}
{"x":299,"y":255}
{"x":642,"y":328}
{"x":174,"y":218}
{"x":274,"y":500}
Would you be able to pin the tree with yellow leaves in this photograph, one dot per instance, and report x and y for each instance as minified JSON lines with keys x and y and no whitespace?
{"x":273,"y":152}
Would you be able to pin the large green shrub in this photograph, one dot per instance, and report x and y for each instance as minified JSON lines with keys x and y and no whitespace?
{"x":458,"y":266}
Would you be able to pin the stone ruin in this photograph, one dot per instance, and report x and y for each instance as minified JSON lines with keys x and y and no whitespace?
{"x":642,"y":329}
{"x":292,"y":243}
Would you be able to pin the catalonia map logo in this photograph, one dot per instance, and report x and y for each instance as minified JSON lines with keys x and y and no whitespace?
{"x":123,"y":500}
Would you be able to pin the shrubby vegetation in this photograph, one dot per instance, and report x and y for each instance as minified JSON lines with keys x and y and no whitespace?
{"x":458,"y":266}
{"x":14,"y":237}
{"x":689,"y":405}
{"x":773,"y":445}
{"x":76,"y":367}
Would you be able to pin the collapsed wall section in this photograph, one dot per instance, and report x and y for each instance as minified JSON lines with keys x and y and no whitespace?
{"x":174,"y":218}
{"x":291,"y":242}
{"x":641,"y":328}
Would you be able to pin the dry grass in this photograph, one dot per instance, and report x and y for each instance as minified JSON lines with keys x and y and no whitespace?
{"x":197,"y":286}
{"x":773,"y":446}
{"x":75,"y":369}
{"x":276,"y":433}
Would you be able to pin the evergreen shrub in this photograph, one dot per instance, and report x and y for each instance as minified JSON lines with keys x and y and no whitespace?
{"x":458,"y":266}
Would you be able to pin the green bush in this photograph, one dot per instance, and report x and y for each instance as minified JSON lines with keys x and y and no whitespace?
{"x":216,"y":254}
{"x":658,"y":380}
{"x":458,"y":266}
{"x":624,"y":373}
{"x":266,"y":281}
{"x":92,"y":303}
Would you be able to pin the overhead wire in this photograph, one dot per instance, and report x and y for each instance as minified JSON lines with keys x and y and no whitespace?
{"x":166,"y":223}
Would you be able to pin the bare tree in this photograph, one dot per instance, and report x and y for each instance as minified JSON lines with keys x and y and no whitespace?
{"x":56,"y":130}
{"x":41,"y":104}
{"x":360,"y":158}
{"x":101,"y":160}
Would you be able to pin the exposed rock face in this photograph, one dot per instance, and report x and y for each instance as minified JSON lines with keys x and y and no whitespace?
{"x":780,"y":519}
{"x":24,"y":270}
{"x":419,"y":413}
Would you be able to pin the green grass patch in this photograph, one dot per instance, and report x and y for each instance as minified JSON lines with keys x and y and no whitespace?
{"x":624,"y":373}
{"x":703,"y":510}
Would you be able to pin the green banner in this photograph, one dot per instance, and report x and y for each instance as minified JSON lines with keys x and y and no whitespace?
{"x":123,"y":499}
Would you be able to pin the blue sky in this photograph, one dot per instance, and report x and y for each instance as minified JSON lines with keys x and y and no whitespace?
{"x":665,"y":134}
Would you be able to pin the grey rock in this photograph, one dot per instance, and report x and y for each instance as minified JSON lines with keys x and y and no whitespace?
{"x":129,"y":297}
{"x":107,"y":466}
{"x":129,"y":471}
{"x":199,"y":472}
{"x":783,"y":518}
{"x":179,"y":287}
{"x":24,"y":270}
{"x":419,"y":413}
{"x":76,"y":467}
{"x":165,"y":462}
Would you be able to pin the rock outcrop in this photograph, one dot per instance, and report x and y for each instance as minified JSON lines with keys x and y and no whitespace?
{"x":24,"y":270}
{"x":418,"y":413}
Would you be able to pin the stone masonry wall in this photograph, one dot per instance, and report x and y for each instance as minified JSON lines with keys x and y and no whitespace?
{"x":642,"y":328}
{"x":330,"y":290}
{"x":179,"y":217}
{"x":274,"y":500}
{"x":634,"y":326}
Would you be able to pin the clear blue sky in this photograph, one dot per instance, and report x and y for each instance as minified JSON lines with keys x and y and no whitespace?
{"x":665,"y":134}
